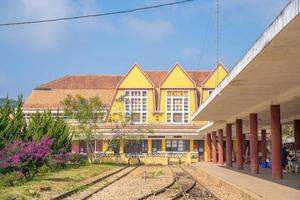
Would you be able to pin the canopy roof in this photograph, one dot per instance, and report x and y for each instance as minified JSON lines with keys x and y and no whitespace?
{"x":269,"y":73}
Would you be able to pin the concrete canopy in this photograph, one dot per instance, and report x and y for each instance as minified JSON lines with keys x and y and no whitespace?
{"x":269,"y":73}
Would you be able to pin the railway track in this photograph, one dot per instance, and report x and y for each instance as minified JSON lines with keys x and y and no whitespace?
{"x":184,"y":186}
{"x":88,"y":190}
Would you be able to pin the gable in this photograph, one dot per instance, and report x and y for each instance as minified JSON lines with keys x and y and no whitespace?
{"x":177,"y":78}
{"x":135,"y":78}
{"x":215,"y":77}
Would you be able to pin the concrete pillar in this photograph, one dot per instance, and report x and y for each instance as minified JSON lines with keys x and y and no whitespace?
{"x":297,"y":134}
{"x":208,"y":145}
{"x":221,"y":148}
{"x":228,"y":145}
{"x":214,"y":146}
{"x":254,"y":143}
{"x":191,"y":145}
{"x":121,"y":150}
{"x":163,"y":145}
{"x":239,"y":141}
{"x":276,"y":142}
{"x":263,"y":144}
{"x":149,"y":146}
{"x":105,"y":146}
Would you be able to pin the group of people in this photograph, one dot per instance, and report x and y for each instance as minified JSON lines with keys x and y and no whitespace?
{"x":289,"y":158}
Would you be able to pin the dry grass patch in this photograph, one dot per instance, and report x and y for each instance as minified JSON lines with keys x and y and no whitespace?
{"x":45,"y":186}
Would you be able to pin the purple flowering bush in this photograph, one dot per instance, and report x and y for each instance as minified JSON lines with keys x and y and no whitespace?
{"x":57,"y":160}
{"x":21,"y":160}
{"x":24,"y":157}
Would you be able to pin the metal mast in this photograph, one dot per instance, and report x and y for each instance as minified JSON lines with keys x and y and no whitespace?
{"x":217,"y":31}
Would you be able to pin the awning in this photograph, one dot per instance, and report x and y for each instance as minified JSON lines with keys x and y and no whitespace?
{"x":269,"y":73}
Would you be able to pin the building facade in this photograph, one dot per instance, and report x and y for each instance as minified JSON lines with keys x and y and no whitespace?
{"x":159,"y":104}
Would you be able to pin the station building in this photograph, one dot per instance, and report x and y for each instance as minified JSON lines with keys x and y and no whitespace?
{"x":162,"y":103}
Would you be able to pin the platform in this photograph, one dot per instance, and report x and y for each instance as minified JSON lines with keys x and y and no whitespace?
{"x":254,"y":186}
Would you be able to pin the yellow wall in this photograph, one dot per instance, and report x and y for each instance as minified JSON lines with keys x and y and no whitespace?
{"x":177,"y":78}
{"x":213,"y":81}
{"x":135,"y":79}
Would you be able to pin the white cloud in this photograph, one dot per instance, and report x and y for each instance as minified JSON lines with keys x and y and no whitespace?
{"x":41,"y":35}
{"x":146,"y":29}
{"x":47,"y":35}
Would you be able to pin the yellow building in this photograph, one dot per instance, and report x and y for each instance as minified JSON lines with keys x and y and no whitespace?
{"x":158,"y":104}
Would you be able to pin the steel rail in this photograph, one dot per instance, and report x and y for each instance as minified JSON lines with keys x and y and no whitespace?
{"x":161,"y":190}
{"x":184,"y":192}
{"x":205,"y":188}
{"x":101,"y":188}
{"x":71,"y":192}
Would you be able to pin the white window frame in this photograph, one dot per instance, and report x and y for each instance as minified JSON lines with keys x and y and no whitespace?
{"x":141,"y":101}
{"x":172,"y":112}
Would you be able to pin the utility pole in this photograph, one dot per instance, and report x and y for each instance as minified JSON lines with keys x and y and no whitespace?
{"x":217,"y":31}
{"x":217,"y":38}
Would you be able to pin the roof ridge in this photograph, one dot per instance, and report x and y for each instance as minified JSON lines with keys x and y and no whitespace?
{"x":94,"y":75}
{"x":200,"y":70}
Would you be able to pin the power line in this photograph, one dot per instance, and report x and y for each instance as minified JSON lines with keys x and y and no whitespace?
{"x":94,"y":15}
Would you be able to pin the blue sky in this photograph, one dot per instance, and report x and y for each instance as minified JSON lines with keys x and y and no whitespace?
{"x":156,"y":39}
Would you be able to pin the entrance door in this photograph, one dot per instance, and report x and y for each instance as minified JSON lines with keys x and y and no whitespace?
{"x":136,"y":147}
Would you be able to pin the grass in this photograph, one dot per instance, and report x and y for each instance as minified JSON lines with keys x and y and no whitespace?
{"x":59,"y":182}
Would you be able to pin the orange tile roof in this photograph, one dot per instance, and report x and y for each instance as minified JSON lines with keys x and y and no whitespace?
{"x":198,"y":76}
{"x":84,"y":82}
{"x":51,"y":94}
{"x":53,"y":98}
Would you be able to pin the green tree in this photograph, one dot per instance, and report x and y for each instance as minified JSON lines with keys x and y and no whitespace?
{"x":12,"y":122}
{"x":44,"y":123}
{"x":87,"y":113}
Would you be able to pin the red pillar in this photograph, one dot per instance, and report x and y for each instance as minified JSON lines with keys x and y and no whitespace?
{"x":208,"y":145}
{"x":253,"y":143}
{"x":276,"y":142}
{"x":297,"y":134}
{"x":244,"y":147}
{"x":221,"y":148}
{"x":263,"y":145}
{"x":239,"y":142}
{"x":228,"y":145}
{"x":214,"y":147}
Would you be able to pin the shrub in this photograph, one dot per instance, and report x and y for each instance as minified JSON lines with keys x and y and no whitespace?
{"x":10,"y":179}
{"x":57,"y":160}
{"x":78,"y":158}
{"x":24,"y":157}
{"x":45,"y":124}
